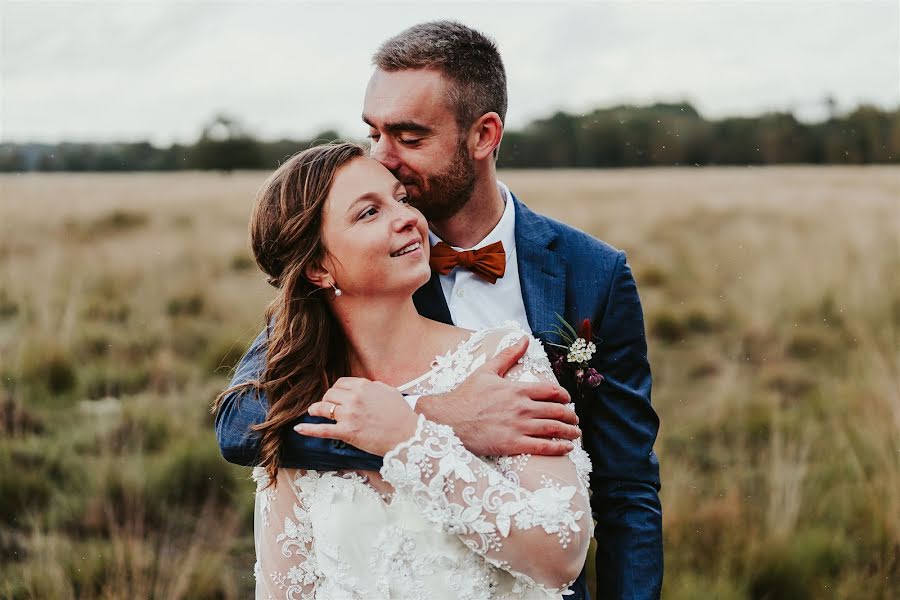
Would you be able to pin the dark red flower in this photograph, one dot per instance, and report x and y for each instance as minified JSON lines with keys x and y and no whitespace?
{"x":593,"y":377}
{"x":585,"y":331}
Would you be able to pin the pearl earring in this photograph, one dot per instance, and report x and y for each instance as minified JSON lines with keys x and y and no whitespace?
{"x":337,"y":291}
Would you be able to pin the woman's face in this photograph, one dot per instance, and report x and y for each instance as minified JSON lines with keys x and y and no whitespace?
{"x":376,"y":243}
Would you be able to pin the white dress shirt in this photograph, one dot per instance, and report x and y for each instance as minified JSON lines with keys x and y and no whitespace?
{"x":473,"y":302}
{"x":476,"y":304}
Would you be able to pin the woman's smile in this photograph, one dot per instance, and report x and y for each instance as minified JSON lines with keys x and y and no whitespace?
{"x":411,"y":249}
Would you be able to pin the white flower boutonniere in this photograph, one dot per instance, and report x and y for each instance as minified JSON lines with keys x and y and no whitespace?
{"x":571,"y":361}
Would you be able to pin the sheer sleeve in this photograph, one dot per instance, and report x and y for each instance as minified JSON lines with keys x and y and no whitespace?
{"x":283,"y":536}
{"x":528,"y":515}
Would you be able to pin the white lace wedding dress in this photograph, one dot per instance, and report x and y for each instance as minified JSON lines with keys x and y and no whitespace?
{"x":436,"y":522}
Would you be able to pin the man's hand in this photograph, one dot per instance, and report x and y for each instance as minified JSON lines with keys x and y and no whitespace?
{"x":496,"y":417}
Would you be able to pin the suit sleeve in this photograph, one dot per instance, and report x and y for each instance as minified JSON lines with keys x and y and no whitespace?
{"x":623,"y":428}
{"x":243,"y":408}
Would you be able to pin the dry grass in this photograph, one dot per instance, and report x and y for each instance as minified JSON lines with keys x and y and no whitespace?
{"x":772,"y":299}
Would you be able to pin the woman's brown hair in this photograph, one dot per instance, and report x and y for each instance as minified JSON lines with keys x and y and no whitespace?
{"x":305,"y":349}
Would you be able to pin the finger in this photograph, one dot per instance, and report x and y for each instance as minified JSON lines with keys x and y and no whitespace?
{"x":323,"y":409}
{"x":321,"y":430}
{"x":338,"y":397}
{"x":546,"y":391}
{"x":508,"y":357}
{"x":348,"y":383}
{"x":549,"y":428}
{"x":542,"y":447}
{"x":317,"y":409}
{"x":550,"y":410}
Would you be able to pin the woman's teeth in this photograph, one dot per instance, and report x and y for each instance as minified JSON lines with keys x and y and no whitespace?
{"x":408,"y":249}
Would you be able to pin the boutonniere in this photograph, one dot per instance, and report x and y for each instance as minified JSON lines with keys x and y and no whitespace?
{"x":570,"y":360}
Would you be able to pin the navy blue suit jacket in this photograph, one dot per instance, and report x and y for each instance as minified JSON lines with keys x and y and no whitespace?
{"x":566,"y":272}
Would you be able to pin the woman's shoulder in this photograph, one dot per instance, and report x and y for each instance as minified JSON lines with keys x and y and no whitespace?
{"x":498,"y":338}
{"x":534,"y":365}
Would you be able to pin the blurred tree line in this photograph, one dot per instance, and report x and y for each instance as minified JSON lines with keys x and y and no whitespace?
{"x":619,"y":136}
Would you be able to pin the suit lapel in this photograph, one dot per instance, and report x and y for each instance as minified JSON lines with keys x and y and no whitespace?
{"x":542,"y":276}
{"x":430,"y":302}
{"x":542,"y":273}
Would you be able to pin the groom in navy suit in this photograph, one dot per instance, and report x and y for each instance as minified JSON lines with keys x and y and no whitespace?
{"x":435,"y":108}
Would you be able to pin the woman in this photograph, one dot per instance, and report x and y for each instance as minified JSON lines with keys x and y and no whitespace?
{"x":334,"y":232}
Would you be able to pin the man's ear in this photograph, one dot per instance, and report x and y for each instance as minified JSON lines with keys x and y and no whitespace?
{"x":485,"y":135}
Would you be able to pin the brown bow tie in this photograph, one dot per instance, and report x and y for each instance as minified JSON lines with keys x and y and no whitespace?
{"x":489,"y":262}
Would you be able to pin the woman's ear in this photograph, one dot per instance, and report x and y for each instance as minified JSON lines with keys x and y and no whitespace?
{"x":317,"y":275}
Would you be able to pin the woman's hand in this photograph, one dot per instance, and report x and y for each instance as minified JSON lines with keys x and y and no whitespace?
{"x":370,"y":415}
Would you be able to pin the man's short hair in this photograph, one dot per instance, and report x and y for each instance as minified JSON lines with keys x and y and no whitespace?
{"x":468,"y":58}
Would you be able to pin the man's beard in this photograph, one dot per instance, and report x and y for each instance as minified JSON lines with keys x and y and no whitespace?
{"x":443,"y":195}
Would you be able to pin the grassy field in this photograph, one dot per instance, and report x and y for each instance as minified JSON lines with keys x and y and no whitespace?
{"x":772,"y":300}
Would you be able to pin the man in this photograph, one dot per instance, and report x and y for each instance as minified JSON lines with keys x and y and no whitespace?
{"x":435,"y":107}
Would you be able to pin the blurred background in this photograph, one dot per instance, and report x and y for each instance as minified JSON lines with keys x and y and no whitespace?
{"x":746,"y":156}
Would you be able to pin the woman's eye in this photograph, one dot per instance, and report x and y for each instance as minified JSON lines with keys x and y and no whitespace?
{"x":403,"y":199}
{"x":411,"y":142}
{"x":368,"y":212}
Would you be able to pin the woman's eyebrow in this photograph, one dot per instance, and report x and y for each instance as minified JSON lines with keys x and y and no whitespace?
{"x":368,"y":196}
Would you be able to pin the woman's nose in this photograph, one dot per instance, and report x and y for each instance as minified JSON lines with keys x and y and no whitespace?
{"x":407,"y":217}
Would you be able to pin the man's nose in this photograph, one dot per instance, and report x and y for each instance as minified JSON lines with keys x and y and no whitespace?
{"x":383,"y":152}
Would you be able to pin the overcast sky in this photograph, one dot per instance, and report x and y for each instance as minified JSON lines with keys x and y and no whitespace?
{"x":126,"y":71}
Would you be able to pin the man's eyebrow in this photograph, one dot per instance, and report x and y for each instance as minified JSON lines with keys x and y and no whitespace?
{"x":400,"y":127}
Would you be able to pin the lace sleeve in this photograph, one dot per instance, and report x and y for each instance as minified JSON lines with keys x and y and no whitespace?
{"x":509,"y":510}
{"x":283,"y":536}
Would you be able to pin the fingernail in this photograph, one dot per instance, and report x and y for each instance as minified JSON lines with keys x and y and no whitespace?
{"x":298,"y":428}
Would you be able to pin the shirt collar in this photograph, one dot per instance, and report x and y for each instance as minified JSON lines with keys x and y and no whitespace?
{"x":504,"y":231}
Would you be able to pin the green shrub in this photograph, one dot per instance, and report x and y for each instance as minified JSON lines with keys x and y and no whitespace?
{"x":110,"y":309}
{"x":191,"y":340}
{"x":223,"y":356}
{"x":101,"y":381}
{"x":699,"y":320}
{"x":24,"y":488}
{"x":190,"y":473}
{"x":50,"y":368}
{"x":798,"y":568}
{"x":704,"y":368}
{"x":790,"y":380}
{"x":112,"y":496}
{"x":15,"y":419}
{"x":190,"y":304}
{"x":8,"y":307}
{"x":666,"y":326}
{"x":808,"y":343}
{"x":182,"y":221}
{"x":697,"y":586}
{"x":241,"y":262}
{"x":120,"y":220}
{"x":140,"y":430}
{"x":115,"y":221}
{"x":12,"y":547}
{"x":651,"y":276}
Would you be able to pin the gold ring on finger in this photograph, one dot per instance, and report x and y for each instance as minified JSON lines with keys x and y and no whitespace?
{"x":331,"y":412}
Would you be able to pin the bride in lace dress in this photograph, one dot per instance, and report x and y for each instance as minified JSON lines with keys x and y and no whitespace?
{"x":334,"y":232}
